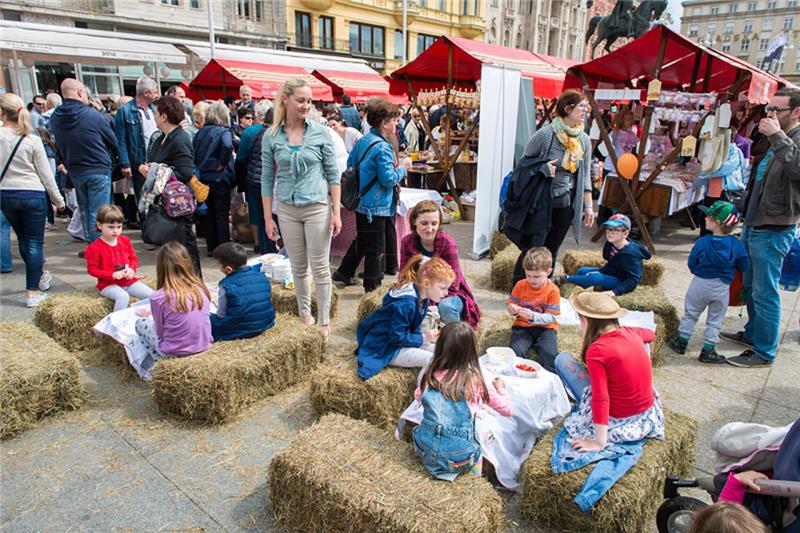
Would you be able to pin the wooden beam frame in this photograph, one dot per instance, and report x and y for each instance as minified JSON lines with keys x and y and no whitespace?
{"x":547,"y":112}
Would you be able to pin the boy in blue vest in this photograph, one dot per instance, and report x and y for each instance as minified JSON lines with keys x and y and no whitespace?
{"x":245,"y":297}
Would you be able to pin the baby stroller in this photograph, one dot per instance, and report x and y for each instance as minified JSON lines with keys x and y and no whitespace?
{"x":675,"y":514}
{"x":743,"y":447}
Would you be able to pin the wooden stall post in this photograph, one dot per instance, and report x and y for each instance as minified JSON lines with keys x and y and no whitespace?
{"x":547,"y":112}
{"x":452,"y":162}
{"x":613,"y":155}
{"x":413,"y":94}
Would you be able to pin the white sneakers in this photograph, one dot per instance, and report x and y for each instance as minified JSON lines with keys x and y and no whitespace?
{"x":44,"y":281}
{"x":34,"y":301}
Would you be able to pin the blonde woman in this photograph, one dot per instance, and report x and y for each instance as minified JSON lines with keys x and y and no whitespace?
{"x":299,"y":153}
{"x":27,"y":181}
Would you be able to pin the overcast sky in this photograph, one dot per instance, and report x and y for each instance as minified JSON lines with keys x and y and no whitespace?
{"x":676,"y":10}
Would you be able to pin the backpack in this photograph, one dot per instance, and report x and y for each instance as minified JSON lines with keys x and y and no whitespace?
{"x":177,"y":199}
{"x":351,"y":184}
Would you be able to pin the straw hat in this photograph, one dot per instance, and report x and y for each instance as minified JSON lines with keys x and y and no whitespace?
{"x":596,"y":305}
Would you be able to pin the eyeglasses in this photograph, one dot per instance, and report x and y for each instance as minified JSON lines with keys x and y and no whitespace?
{"x":773,"y":109}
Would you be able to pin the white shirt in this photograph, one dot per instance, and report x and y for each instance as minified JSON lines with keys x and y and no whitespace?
{"x":148,"y":124}
{"x":351,"y":137}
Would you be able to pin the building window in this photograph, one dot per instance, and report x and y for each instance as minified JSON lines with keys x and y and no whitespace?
{"x":174,"y":3}
{"x":732,"y":8}
{"x":748,"y":26}
{"x":398,"y":44}
{"x":424,"y":42}
{"x":194,"y":4}
{"x":726,"y":47}
{"x":697,"y":11}
{"x":326,"y":33}
{"x":302,"y":29}
{"x":712,"y":29}
{"x":788,"y":23}
{"x":714,"y":10}
{"x":766,"y":24}
{"x":693,"y":31}
{"x":763,"y":43}
{"x":465,"y":7}
{"x":729,"y":27}
{"x":791,"y":3}
{"x":249,"y":9}
{"x":744,"y":46}
{"x":772,"y":4}
{"x":366,"y":39}
{"x":752,"y":6}
{"x":442,"y":5}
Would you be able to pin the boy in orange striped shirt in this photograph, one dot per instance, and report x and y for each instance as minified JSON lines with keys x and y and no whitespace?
{"x":535,"y":302}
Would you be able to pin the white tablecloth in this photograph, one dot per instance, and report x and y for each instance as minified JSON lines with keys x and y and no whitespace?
{"x":506,"y":441}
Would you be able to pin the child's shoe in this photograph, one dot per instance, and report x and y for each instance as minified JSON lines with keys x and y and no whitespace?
{"x":678,"y":345}
{"x":710,"y":356}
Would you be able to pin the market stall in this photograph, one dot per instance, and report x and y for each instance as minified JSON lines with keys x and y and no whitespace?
{"x":688,"y":95}
{"x":360,"y":86}
{"x":223,"y":77}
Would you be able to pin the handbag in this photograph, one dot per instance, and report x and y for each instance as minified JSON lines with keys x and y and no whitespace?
{"x":199,"y":188}
{"x":158,"y":228}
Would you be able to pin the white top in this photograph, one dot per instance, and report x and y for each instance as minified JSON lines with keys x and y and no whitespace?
{"x":29,"y":170}
{"x":148,"y":124}
{"x":351,"y":137}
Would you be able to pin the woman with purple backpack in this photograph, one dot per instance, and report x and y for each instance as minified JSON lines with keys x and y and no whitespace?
{"x":173,"y":147}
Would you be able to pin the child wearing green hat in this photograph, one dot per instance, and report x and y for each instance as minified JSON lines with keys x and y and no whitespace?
{"x":713,"y":261}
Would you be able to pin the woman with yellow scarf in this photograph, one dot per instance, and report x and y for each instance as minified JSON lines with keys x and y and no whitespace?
{"x":565,"y":144}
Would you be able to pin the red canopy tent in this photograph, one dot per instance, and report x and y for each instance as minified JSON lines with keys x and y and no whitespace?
{"x":223,"y":77}
{"x":360,"y":86}
{"x":430,"y":68}
{"x":679,"y":63}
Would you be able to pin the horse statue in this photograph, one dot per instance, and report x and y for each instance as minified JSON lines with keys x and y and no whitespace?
{"x":624,"y":22}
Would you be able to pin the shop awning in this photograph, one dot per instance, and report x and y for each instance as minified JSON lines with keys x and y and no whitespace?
{"x":32,"y":41}
{"x":222,"y":77}
{"x":429,"y":69}
{"x":684,"y":60}
{"x":360,"y":86}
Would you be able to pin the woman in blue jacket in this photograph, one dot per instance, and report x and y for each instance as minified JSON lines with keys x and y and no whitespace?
{"x":213,"y":159}
{"x":379,"y":174}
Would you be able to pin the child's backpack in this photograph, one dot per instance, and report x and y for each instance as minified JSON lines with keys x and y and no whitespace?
{"x":177,"y":199}
{"x":790,"y":270}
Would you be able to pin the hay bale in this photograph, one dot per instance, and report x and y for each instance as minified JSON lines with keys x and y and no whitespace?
{"x":38,"y":378}
{"x":370,"y":302}
{"x":499,"y":243}
{"x":285,"y":301}
{"x":220,"y":383}
{"x":546,"y":498}
{"x":380,"y":400}
{"x":69,"y":317}
{"x":347,"y":476}
{"x":570,"y":338}
{"x":572,"y":260}
{"x":502,"y":272}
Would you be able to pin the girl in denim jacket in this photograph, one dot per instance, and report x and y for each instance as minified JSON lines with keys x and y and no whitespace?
{"x":451,"y":391}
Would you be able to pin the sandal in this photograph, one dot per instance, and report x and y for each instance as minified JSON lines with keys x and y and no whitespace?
{"x":325,"y":331}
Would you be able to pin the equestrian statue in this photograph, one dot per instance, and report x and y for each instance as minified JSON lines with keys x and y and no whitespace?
{"x":624,"y":21}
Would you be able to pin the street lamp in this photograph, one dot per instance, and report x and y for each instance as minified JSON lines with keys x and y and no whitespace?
{"x":211,"y":26}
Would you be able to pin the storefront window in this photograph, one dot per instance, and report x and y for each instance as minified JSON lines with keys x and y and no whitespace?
{"x":50,"y":75}
{"x":102,"y":80}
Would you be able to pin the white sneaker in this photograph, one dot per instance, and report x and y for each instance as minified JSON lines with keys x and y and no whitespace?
{"x":34,"y":301}
{"x":44,"y":281}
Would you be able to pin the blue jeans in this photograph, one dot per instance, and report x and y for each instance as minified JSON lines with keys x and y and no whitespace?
{"x":27,"y":216}
{"x":450,"y":309}
{"x":5,"y":244}
{"x":591,"y":277}
{"x":573,"y":374}
{"x":761,"y":284}
{"x":92,"y":191}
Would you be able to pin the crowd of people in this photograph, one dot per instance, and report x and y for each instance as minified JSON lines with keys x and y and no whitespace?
{"x":154,"y":154}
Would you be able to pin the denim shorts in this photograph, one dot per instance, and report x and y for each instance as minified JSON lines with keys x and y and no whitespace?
{"x":445,"y":455}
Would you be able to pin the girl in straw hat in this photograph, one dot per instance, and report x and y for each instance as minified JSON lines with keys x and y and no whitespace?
{"x":612,"y":382}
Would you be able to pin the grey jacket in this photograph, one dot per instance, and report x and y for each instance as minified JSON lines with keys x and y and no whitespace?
{"x":540,"y":141}
{"x":778,"y":201}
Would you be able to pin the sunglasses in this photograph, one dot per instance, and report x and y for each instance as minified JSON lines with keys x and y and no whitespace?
{"x":248,"y":117}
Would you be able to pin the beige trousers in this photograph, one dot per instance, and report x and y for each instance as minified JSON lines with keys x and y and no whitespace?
{"x":307,"y":237}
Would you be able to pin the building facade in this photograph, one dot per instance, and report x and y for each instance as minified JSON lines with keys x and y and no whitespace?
{"x":745,"y":29}
{"x":373,"y":29}
{"x":553,"y":27}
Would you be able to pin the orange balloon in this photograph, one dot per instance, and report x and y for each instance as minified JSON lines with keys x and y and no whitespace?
{"x":627,"y":165}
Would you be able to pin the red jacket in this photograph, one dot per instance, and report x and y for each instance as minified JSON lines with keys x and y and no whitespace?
{"x":103,"y":260}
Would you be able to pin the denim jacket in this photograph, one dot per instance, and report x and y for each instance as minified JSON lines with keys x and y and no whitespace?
{"x":130,"y":135}
{"x":445,"y":440}
{"x":303,"y":175}
{"x":380,"y":162}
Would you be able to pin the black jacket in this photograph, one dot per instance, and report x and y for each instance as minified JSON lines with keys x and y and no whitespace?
{"x":529,"y":206}
{"x":175,"y":151}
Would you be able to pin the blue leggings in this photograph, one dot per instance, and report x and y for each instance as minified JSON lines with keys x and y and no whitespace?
{"x":592,"y":277}
{"x":573,"y":374}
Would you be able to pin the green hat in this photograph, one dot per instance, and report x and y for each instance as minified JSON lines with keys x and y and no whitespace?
{"x":722,"y":211}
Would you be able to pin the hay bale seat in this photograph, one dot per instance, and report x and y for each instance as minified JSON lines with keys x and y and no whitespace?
{"x":371,"y":301}
{"x":38,"y":378}
{"x":572,"y":260}
{"x":69,"y":317}
{"x":629,"y":507}
{"x":217,"y":385}
{"x":502,"y":271}
{"x":498,"y":243}
{"x":645,"y":298}
{"x":570,"y":338}
{"x":380,"y":400}
{"x":285,"y":301}
{"x":347,"y":476}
